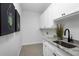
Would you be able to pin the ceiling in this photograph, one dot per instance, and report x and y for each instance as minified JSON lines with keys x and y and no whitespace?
{"x":34,"y":7}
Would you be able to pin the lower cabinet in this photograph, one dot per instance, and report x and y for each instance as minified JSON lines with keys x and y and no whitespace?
{"x":48,"y":50}
{"x":51,"y":50}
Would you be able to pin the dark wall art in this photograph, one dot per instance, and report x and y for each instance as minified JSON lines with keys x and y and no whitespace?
{"x":7,"y":18}
{"x":17,"y":21}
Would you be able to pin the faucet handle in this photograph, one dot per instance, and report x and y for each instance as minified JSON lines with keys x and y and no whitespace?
{"x":71,"y":38}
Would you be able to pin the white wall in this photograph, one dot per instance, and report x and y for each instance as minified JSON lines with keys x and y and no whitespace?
{"x":10,"y":44}
{"x":30,"y":28}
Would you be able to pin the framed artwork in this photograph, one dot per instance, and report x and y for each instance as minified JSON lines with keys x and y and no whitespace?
{"x":17,"y":21}
{"x":7,"y":18}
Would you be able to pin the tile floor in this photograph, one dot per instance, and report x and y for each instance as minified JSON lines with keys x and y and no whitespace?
{"x":32,"y":50}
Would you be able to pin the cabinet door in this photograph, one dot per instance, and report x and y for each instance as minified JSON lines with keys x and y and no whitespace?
{"x":61,"y":9}
{"x":42,"y":21}
{"x":45,"y":19}
{"x":47,"y":51}
{"x":69,"y":8}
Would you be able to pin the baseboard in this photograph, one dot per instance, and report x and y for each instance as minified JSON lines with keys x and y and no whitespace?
{"x":19,"y":51}
{"x":31,"y":43}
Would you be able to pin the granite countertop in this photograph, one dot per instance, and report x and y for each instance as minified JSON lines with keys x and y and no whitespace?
{"x":72,"y":51}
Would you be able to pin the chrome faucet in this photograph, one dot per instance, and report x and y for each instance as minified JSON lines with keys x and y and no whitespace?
{"x":69,"y":38}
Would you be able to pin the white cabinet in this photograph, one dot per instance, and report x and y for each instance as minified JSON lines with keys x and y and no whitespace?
{"x":69,"y":8}
{"x":45,"y":21}
{"x":46,"y":18}
{"x":48,"y":50}
{"x":57,"y":10}
{"x":51,"y":50}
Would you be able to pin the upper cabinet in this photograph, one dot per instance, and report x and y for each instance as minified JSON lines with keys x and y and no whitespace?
{"x":46,"y":18}
{"x":62,"y":9}
{"x":57,"y":10}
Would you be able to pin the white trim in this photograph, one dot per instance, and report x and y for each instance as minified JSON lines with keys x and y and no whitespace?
{"x":19,"y":50}
{"x":31,"y":43}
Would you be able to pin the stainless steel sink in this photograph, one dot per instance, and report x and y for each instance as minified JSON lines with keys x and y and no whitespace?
{"x":64,"y":44}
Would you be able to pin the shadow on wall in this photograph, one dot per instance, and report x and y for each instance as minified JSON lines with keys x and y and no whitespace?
{"x":6,"y":38}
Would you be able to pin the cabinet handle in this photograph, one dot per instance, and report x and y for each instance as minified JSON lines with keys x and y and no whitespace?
{"x":63,"y":14}
{"x":54,"y":54}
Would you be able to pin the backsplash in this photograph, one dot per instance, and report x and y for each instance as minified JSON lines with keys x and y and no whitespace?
{"x":48,"y":33}
{"x":72,"y":24}
{"x":74,"y":30}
